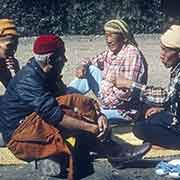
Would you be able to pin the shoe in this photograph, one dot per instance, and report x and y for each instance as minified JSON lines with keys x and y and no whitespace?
{"x":137,"y":152}
{"x":129,"y":154}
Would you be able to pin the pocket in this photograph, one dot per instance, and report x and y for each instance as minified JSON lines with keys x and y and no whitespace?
{"x":34,"y":130}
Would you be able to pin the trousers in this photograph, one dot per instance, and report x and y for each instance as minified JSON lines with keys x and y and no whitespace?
{"x":92,"y":82}
{"x":161,"y":129}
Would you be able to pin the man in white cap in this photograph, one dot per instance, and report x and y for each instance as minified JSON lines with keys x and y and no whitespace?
{"x":161,"y":123}
{"x":121,"y":58}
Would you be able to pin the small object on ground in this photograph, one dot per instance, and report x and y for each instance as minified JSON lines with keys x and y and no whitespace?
{"x":169,"y":169}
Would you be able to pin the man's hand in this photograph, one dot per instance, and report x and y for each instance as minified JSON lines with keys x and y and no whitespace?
{"x":123,"y":83}
{"x":81,"y":71}
{"x":152,"y":110}
{"x":119,"y":82}
{"x":103,"y":127}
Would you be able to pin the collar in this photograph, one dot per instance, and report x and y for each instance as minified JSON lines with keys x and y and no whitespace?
{"x":112,"y":53}
{"x":32,"y":62}
{"x":174,"y":70}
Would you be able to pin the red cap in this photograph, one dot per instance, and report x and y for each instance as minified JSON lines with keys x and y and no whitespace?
{"x":45,"y":44}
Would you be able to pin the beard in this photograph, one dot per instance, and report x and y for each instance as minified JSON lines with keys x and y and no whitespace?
{"x":54,"y":73}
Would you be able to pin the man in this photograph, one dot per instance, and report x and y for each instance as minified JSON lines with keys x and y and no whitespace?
{"x":122,"y":58}
{"x":8,"y":45}
{"x":161,"y":124}
{"x":31,"y":91}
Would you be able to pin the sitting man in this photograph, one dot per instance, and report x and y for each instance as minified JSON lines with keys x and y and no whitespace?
{"x":161,"y":124}
{"x":122,"y":58}
{"x":8,"y":45}
{"x":41,"y":134}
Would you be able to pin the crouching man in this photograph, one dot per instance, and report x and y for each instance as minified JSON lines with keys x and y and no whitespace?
{"x":34,"y":122}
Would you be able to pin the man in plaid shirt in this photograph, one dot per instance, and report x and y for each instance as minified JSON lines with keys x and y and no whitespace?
{"x":161,"y":124}
{"x":121,"y":59}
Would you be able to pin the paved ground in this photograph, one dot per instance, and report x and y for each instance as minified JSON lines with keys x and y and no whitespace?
{"x":78,"y":47}
{"x":102,"y":171}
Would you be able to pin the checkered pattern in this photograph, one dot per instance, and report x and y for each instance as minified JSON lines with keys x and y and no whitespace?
{"x":128,"y":63}
{"x":162,"y":97}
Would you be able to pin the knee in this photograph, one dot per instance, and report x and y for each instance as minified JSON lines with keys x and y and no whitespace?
{"x":94,"y":69}
{"x":139,"y":130}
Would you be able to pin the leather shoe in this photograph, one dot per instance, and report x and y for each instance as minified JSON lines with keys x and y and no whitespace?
{"x":129,"y":154}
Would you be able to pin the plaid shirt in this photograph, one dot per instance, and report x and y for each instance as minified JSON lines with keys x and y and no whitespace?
{"x":168,"y":98}
{"x":128,"y":63}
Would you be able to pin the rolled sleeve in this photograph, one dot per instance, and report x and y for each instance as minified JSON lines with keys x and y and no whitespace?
{"x":56,"y":117}
{"x":137,"y":90}
{"x":47,"y":107}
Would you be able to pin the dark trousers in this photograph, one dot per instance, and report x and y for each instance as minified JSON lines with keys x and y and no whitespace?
{"x":158,"y":130}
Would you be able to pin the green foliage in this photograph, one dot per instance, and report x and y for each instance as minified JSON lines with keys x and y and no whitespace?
{"x":80,"y":16}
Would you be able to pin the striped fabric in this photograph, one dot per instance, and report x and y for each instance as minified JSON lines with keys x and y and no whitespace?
{"x":162,"y":97}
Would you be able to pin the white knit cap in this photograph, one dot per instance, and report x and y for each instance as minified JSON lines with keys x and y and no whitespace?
{"x":171,"y":38}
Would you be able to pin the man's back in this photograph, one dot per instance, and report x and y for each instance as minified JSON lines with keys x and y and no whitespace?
{"x":26,"y":93}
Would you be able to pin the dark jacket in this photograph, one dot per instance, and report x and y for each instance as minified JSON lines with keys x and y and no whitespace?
{"x":28,"y":92}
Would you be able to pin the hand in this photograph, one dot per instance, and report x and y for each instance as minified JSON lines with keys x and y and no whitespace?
{"x":10,"y":64}
{"x":123,"y":83}
{"x":103,"y":127}
{"x":81,"y":71}
{"x":152,"y":110}
{"x":119,"y":82}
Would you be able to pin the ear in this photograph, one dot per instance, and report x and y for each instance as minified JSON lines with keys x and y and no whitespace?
{"x":47,"y":60}
{"x":46,"y":66}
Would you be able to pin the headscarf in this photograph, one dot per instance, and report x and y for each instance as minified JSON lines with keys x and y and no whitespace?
{"x":120,"y":26}
{"x":7,"y":27}
{"x":171,"y":38}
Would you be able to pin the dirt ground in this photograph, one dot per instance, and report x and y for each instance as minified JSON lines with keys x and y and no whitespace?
{"x":78,"y":47}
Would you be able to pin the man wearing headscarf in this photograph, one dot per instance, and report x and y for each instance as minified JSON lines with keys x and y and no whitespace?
{"x":161,"y":124}
{"x":8,"y":45}
{"x":121,"y":58}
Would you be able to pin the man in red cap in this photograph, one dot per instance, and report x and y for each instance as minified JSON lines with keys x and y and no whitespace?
{"x":31,"y":115}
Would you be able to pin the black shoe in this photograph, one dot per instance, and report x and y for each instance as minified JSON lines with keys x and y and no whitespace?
{"x":129,"y":154}
{"x":137,"y":152}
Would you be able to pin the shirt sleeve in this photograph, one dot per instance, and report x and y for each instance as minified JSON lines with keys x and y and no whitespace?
{"x":132,"y":69}
{"x":97,"y":60}
{"x":112,"y":96}
{"x":40,"y":101}
{"x":151,"y":95}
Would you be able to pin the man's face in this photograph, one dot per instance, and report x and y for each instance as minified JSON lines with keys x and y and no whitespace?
{"x":168,"y":56}
{"x":57,"y":62}
{"x":8,"y":46}
{"x":114,"y":41}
